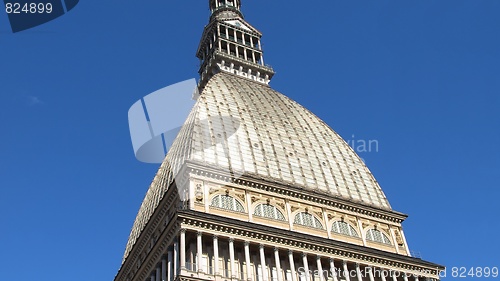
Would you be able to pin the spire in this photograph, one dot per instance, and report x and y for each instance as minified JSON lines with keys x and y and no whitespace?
{"x":230,"y":44}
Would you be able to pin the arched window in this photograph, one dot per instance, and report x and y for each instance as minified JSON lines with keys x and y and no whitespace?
{"x":268,"y":211}
{"x":307,"y":219}
{"x":227,"y":202}
{"x":344,"y":228}
{"x":376,"y":235}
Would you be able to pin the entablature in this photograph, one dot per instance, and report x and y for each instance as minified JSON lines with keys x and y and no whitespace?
{"x":274,"y":237}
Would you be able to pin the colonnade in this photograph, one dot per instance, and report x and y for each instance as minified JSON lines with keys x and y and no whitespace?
{"x":187,"y":254}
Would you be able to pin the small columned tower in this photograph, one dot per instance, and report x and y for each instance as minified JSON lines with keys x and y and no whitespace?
{"x":231,"y":45}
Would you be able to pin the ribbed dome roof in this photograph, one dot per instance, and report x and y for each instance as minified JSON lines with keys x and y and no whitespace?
{"x":247,"y":127}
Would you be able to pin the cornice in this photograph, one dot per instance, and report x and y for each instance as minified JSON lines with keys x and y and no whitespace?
{"x":151,"y":226}
{"x":292,"y":192}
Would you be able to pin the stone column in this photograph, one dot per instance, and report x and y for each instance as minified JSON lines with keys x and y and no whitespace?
{"x":278,"y":264}
{"x":170,"y":266}
{"x":394,"y":240}
{"x":248,"y":197}
{"x":263,"y":262}
{"x":152,"y":278}
{"x":247,"y":261}
{"x":358,"y":273}
{"x":306,"y":266}
{"x":394,"y":278}
{"x":292,"y":265}
{"x":320,"y":268}
{"x":363,"y":236}
{"x":163,"y":269}
{"x":216,"y":255}
{"x":158,"y":273}
{"x":370,"y":273}
{"x":346,"y":271}
{"x":231,"y":257}
{"x":206,"y":188}
{"x":333,"y":270}
{"x":175,"y":261}
{"x":287,"y":204}
{"x":328,"y":229}
{"x":183,"y":249}
{"x":404,"y":241}
{"x":382,"y":274}
{"x":199,"y":251}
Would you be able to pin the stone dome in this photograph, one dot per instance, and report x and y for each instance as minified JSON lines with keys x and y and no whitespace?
{"x":248,"y":128}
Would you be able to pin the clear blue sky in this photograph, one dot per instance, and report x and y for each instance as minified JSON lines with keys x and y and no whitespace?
{"x":420,"y":77}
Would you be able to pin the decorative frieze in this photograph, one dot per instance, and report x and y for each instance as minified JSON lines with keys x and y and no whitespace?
{"x":288,"y":192}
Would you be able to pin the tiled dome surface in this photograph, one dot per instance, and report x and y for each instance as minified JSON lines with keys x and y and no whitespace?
{"x":249,"y":128}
